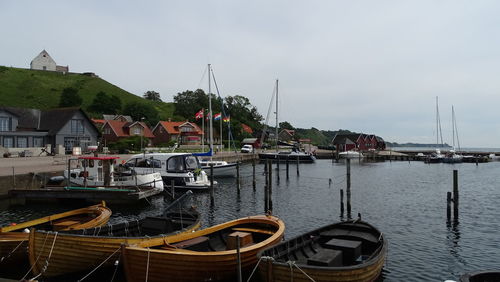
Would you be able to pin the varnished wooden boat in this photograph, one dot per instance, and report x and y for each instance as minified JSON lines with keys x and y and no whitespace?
{"x":14,"y":238}
{"x":81,"y":251}
{"x":481,"y":276}
{"x":345,"y":251}
{"x":205,"y":255}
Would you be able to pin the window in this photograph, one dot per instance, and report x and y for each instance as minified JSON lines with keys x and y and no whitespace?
{"x":22,"y":142}
{"x":137,"y":131}
{"x":76,"y":126}
{"x":175,"y":163}
{"x":192,"y":162}
{"x":107,"y":130}
{"x":37,"y":141}
{"x":8,"y":142}
{"x":5,"y":124}
{"x":186,"y":129}
{"x":148,"y":163}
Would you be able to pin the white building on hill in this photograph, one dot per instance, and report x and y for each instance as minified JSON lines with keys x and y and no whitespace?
{"x":44,"y":62}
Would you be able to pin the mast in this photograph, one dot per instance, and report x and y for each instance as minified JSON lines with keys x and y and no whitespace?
{"x":277,"y":125}
{"x":210,"y":112}
{"x":453,"y":125}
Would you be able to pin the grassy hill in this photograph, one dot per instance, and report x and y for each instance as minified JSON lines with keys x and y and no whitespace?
{"x":41,"y":89}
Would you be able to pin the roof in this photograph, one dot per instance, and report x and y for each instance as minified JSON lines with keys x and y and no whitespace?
{"x":28,"y":119}
{"x":289,"y":131}
{"x":122,"y":128}
{"x":147,"y":131}
{"x":246,"y":128}
{"x":115,"y":117}
{"x":172,"y":127}
{"x":53,"y":120}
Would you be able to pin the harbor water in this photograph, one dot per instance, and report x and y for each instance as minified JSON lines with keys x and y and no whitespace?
{"x":405,"y":200}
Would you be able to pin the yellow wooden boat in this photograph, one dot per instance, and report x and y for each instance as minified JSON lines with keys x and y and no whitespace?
{"x":205,"y":255}
{"x":83,"y":250}
{"x":14,"y":238}
{"x":353,"y":251}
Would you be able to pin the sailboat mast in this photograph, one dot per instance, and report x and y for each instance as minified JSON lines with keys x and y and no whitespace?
{"x":210,"y":110}
{"x":277,"y":125}
{"x":453,"y":126}
{"x":437,"y":122}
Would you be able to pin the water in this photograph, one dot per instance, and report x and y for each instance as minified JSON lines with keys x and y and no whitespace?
{"x":406,"y":201}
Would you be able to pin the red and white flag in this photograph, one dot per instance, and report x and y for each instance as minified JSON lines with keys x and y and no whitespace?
{"x":199,"y":114}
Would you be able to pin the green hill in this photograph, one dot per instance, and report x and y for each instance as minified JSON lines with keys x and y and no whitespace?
{"x":41,"y":90}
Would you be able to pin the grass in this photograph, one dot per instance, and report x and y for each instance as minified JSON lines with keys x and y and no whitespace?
{"x":41,"y":90}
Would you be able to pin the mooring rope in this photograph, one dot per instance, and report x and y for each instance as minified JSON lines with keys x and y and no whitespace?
{"x":147,"y":267}
{"x":117,"y":263}
{"x":11,"y":252}
{"x":255,"y":268}
{"x":38,"y":257}
{"x":84,"y":277}
{"x":46,"y":264}
{"x":292,"y":263}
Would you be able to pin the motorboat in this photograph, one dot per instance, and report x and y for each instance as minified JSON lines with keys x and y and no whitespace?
{"x":351,"y":154}
{"x":220,"y":168}
{"x":182,"y":169}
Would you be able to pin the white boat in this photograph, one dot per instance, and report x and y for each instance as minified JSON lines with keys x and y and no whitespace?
{"x":100,"y":172}
{"x":221,"y":168}
{"x":183,"y":169}
{"x":351,"y":155}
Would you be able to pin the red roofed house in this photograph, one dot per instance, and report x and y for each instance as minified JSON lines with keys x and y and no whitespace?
{"x":287,"y":135}
{"x":114,"y":130}
{"x":183,"y":132}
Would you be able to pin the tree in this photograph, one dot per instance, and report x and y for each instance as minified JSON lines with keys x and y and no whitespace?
{"x":188,"y":103}
{"x":286,"y":125}
{"x":142,"y":110}
{"x":152,"y":95}
{"x":70,"y":98}
{"x":105,"y":104}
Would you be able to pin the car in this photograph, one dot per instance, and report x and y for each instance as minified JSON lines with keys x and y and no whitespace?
{"x":247,"y":149}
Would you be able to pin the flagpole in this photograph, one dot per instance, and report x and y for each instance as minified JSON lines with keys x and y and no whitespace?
{"x":203,"y":131}
{"x":220,"y":134}
{"x":210,"y":110}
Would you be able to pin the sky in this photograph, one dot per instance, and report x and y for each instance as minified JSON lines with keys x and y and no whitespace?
{"x":374,"y":67}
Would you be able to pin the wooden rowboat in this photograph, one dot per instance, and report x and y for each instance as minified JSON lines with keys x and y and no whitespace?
{"x":205,"y":255}
{"x":14,"y":238}
{"x":80,"y":251}
{"x":345,"y":251}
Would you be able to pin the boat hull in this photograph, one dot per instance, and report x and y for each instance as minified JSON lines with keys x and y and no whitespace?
{"x":228,"y":170}
{"x":74,"y":253}
{"x":278,"y":269}
{"x":145,"y":263}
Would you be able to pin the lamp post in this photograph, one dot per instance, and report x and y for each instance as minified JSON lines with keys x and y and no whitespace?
{"x":142,"y":136}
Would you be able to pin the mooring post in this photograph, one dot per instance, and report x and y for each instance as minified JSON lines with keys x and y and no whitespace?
{"x":287,"y":168}
{"x":238,"y":258}
{"x":455,"y":194}
{"x":341,"y":202}
{"x":270,"y":187}
{"x":278,"y":170}
{"x":172,"y":187}
{"x":254,"y":182}
{"x":266,"y":194}
{"x":14,"y":177}
{"x":298,"y":165}
{"x":212,"y":198}
{"x":448,"y":205}
{"x":348,"y":188}
{"x":476,"y":161}
{"x":238,"y":175}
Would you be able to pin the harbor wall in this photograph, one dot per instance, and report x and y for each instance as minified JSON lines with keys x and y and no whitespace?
{"x":24,"y":181}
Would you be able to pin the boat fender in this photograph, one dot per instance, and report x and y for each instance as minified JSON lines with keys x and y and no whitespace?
{"x":26,"y":230}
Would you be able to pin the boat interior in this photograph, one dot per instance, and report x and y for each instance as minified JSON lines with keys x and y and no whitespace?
{"x":149,"y":226}
{"x":226,"y":238}
{"x":338,"y":245}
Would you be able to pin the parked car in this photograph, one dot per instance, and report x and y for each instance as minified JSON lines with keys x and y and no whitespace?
{"x":247,"y":149}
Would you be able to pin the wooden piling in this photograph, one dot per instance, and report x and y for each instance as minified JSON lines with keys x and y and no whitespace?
{"x":212,"y":198}
{"x":278,"y":169}
{"x":172,"y":187}
{"x":270,"y":187}
{"x":348,"y":188}
{"x":341,"y":203}
{"x":266,"y":194}
{"x":254,"y":182}
{"x":455,"y":194}
{"x":287,"y":168}
{"x":238,"y":176}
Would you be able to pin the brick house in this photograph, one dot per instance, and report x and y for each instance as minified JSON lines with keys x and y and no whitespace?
{"x":286,"y":135}
{"x":357,"y":141}
{"x":114,"y":130}
{"x":182,"y":132}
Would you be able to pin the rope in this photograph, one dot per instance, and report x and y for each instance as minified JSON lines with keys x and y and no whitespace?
{"x":38,"y":257}
{"x":117,"y":262}
{"x":147,"y":267}
{"x":290,"y":263}
{"x":294,"y":264}
{"x":255,"y":268}
{"x":11,"y":252}
{"x":46,"y":264}
{"x":84,"y":277}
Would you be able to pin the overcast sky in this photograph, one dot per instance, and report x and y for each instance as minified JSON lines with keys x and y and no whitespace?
{"x":368,"y":66}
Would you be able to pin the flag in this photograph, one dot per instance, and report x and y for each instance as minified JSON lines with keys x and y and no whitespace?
{"x":226,"y":119}
{"x":217,"y":116}
{"x":208,"y":116}
{"x":199,"y":114}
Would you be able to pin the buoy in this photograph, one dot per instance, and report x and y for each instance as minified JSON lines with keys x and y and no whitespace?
{"x":13,"y":224}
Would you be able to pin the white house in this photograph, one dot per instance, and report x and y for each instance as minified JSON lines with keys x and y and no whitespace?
{"x":44,"y":62}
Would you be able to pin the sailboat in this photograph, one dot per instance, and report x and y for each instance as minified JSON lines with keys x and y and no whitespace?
{"x":220,"y":168}
{"x":452,"y":156}
{"x":437,"y":157}
{"x":294,"y":155}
